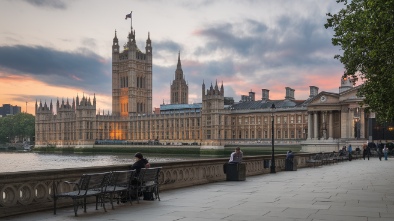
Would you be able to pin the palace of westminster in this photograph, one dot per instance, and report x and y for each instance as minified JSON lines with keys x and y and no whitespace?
{"x":324,"y":121}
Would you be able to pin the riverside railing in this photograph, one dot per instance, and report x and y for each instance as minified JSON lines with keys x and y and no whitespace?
{"x":25,"y":192}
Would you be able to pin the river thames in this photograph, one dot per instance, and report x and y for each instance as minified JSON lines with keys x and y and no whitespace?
{"x":28,"y":161}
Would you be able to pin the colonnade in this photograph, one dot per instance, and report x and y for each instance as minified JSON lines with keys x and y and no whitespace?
{"x":351,"y":122}
{"x":320,"y":125}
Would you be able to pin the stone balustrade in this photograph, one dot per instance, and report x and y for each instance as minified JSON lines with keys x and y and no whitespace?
{"x":24,"y":192}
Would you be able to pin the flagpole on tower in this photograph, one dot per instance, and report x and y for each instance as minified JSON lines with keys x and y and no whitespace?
{"x":131,"y":21}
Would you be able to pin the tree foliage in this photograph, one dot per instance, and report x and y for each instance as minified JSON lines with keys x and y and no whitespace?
{"x":364,"y":29}
{"x":20,"y":126}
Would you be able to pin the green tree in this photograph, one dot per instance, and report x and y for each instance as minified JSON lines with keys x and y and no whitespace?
{"x":20,"y":125}
{"x":364,"y":29}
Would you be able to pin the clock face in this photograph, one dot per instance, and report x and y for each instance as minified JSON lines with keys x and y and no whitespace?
{"x":323,"y":98}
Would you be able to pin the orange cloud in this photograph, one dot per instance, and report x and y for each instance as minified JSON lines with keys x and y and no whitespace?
{"x":17,"y":90}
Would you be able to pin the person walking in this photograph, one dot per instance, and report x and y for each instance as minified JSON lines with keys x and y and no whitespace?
{"x":368,"y":152}
{"x":385,"y":152}
{"x":380,"y":151}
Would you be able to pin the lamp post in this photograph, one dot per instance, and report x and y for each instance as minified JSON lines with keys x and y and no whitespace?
{"x":272,"y":135}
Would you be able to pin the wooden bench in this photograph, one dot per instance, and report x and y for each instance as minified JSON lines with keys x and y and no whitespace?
{"x":89,"y":185}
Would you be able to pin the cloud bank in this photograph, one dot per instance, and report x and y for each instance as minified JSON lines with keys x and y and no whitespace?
{"x":81,"y":69}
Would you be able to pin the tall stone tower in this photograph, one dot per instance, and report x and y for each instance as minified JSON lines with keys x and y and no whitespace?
{"x":131,"y":77}
{"x":179,"y":87}
{"x":212,"y":114}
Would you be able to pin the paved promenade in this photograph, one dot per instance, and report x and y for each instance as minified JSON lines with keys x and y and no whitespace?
{"x":358,"y":190}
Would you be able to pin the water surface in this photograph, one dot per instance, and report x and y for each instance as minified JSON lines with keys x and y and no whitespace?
{"x":29,"y":161}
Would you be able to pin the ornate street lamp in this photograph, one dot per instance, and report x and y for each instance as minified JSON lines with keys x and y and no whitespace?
{"x":273,"y":108}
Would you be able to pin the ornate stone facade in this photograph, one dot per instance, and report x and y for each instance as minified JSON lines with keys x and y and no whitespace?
{"x":323,"y":117}
{"x":131,"y":77}
{"x":336,"y":120}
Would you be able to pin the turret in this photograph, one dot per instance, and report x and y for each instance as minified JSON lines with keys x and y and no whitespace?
{"x":346,"y":84}
{"x":203,"y":88}
{"x":148,"y":47}
{"x":115,"y":45}
{"x":77,"y":101}
{"x":57,"y":105}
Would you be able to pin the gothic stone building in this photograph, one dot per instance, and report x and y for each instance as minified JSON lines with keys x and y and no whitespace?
{"x":324,"y":119}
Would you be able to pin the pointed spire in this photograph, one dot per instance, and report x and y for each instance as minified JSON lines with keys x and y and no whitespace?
{"x":148,"y":35}
{"x":77,"y":101}
{"x":116,"y":37}
{"x":179,"y":66}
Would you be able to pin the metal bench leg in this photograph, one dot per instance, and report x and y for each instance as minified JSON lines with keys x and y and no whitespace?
{"x":75,"y":201}
{"x":54,"y":205}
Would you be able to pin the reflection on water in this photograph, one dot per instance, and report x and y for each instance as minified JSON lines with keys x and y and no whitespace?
{"x":27,"y":161}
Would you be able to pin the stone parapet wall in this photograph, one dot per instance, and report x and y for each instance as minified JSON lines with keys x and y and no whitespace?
{"x":24,"y":192}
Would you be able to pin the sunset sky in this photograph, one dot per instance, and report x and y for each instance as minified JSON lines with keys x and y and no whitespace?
{"x":56,"y":49}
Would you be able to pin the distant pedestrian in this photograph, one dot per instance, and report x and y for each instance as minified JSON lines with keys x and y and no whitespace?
{"x":350,"y":150}
{"x":367,"y":152}
{"x":385,"y":152}
{"x":380,"y":151}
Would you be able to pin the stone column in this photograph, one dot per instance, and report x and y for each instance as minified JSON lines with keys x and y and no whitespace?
{"x":310,"y":125}
{"x":350,"y":123}
{"x":324,"y":134}
{"x":331,"y":126}
{"x":315,"y":131}
{"x":370,"y":120}
{"x":362,"y":123}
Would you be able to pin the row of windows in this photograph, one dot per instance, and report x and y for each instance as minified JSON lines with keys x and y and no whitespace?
{"x":280,"y":134}
{"x":279,"y":119}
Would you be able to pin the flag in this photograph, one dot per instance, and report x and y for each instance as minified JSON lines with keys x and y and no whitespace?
{"x":128,"y":16}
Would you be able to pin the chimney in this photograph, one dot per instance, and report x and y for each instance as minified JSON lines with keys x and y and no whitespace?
{"x":252,"y":96}
{"x":265,"y":94}
{"x":289,"y":94}
{"x":313,"y":91}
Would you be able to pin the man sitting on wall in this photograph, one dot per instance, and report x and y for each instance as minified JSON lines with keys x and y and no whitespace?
{"x":236,"y":156}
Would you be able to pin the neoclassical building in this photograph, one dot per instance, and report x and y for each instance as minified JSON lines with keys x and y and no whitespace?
{"x":324,"y":120}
